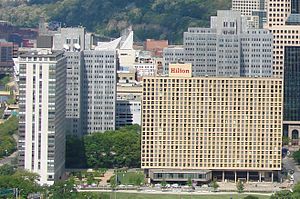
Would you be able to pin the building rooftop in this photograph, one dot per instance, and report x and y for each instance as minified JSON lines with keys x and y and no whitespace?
{"x":42,"y":53}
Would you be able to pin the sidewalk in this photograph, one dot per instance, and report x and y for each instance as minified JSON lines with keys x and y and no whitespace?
{"x":108,"y":174}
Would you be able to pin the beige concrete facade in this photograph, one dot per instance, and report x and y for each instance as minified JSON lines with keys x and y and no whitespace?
{"x":246,"y":6}
{"x":284,"y":35}
{"x":221,"y":124}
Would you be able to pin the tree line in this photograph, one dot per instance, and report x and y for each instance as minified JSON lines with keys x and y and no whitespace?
{"x":111,"y":149}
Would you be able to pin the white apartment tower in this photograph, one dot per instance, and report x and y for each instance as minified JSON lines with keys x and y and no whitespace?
{"x":42,"y":114}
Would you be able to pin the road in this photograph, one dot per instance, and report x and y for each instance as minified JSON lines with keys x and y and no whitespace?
{"x":177,"y":193}
{"x":290,"y":164}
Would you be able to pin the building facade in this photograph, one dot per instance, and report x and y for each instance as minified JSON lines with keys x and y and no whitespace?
{"x":91,"y":82}
{"x":248,"y":6}
{"x":91,"y":91}
{"x":254,"y":10}
{"x":74,"y":99}
{"x":291,"y":114}
{"x":228,"y":48}
{"x":285,"y":26}
{"x":42,"y":114}
{"x":8,"y":51}
{"x":99,"y":90}
{"x":128,"y":112}
{"x":231,"y":126}
{"x":72,"y":39}
{"x":172,"y":54}
{"x":128,"y":108}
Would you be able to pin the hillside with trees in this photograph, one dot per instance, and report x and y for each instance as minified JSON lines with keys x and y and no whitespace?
{"x":159,"y":19}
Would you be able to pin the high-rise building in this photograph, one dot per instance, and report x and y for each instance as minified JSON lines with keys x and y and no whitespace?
{"x":291,"y":114}
{"x":284,"y":23}
{"x":91,"y":91}
{"x":91,"y":79}
{"x":231,"y":127}
{"x":74,"y":98}
{"x":254,"y":10}
{"x":248,"y":6}
{"x":42,"y":114}
{"x":284,"y":33}
{"x":227,"y":48}
{"x":99,"y":90}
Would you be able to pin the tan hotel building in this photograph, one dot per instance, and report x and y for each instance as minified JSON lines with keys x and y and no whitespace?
{"x":199,"y":127}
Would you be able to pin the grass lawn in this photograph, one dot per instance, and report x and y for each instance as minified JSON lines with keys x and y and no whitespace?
{"x":133,"y":178}
{"x":165,"y":196}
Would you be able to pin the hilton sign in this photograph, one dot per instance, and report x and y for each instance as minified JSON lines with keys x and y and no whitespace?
{"x":180,"y":70}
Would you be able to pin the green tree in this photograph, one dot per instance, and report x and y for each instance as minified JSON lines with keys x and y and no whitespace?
{"x":120,"y":148}
{"x":214,"y":185}
{"x":296,"y":156}
{"x":4,"y":80}
{"x":163,"y":183}
{"x":189,"y":182}
{"x":23,"y":180}
{"x":7,"y":170}
{"x":62,"y":190}
{"x":90,"y":179}
{"x":7,"y":142}
{"x":285,"y":140}
{"x":75,"y":152}
{"x":284,"y":194}
{"x":113,"y":182}
{"x":240,"y":186}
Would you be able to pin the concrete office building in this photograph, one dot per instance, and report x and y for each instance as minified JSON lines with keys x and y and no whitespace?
{"x":91,"y":79}
{"x":254,"y":10}
{"x":72,"y":39}
{"x":91,"y":91}
{"x":285,"y":26}
{"x":284,"y":34}
{"x":248,"y":6}
{"x":128,"y":109}
{"x":42,"y":114}
{"x":145,"y":66}
{"x":231,"y":127}
{"x":74,"y":89}
{"x":99,"y":90}
{"x":172,"y":54}
{"x":229,"y":48}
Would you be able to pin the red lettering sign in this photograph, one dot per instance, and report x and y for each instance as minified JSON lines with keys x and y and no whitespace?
{"x":179,"y":70}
